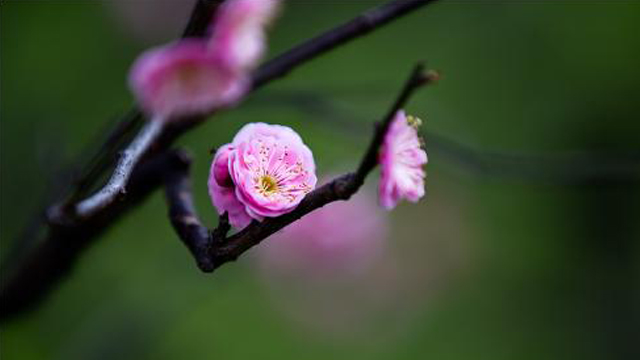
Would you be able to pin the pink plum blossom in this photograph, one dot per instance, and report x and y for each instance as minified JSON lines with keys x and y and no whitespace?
{"x":341,"y":239}
{"x":268,"y":172}
{"x":238,"y":34}
{"x":194,"y":76}
{"x":402,"y":159}
{"x":182,"y":79}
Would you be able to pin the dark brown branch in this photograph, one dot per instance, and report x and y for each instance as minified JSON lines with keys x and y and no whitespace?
{"x":57,"y":254}
{"x":215,"y":250}
{"x":76,"y":231}
{"x":354,"y":28}
{"x":184,"y":218}
{"x":99,"y":163}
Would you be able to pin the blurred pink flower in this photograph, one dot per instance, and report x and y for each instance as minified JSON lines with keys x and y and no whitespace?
{"x":238,"y":34}
{"x":269,"y":171}
{"x":401,"y":160}
{"x":194,"y":76}
{"x":340,"y":239}
{"x":400,"y":275}
{"x":182,"y":79}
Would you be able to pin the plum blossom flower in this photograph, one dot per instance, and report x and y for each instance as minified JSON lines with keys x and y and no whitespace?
{"x":401,"y":159}
{"x":238,"y":34}
{"x":183,"y":78}
{"x":264,"y":172}
{"x":342,"y":238}
{"x":193,"y":76}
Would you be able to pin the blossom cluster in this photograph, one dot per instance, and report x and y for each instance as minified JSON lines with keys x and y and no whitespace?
{"x":267,"y":170}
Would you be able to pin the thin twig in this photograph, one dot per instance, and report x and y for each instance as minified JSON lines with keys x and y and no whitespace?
{"x":214,"y":249}
{"x":370,"y":160}
{"x":352,"y":29}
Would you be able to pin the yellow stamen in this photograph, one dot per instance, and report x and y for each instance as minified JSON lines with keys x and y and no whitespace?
{"x":268,"y":185}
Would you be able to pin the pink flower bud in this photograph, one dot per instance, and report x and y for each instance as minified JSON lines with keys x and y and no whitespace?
{"x":238,"y":37}
{"x":271,"y":171}
{"x":184,"y":79}
{"x":401,"y":160}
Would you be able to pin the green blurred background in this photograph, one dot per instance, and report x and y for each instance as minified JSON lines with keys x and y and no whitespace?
{"x":525,"y":247}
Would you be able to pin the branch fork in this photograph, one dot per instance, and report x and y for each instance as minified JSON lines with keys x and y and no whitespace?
{"x":213,"y":248}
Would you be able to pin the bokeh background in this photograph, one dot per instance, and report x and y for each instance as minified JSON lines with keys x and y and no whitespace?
{"x":526,"y":245}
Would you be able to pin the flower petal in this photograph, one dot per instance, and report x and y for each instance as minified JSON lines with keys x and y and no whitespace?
{"x":401,"y":160}
{"x":183,"y":79}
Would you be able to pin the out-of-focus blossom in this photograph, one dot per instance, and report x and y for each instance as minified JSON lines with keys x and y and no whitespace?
{"x":238,"y":34}
{"x":182,"y":79}
{"x":402,"y":159}
{"x":270,"y":171}
{"x":390,"y":294}
{"x":337,"y":240}
{"x":194,"y":76}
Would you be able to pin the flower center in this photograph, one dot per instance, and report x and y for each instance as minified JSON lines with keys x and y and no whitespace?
{"x":268,"y":185}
